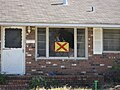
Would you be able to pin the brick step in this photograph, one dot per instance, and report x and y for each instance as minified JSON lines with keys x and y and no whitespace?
{"x":19,"y":77}
{"x":14,"y":87}
{"x":21,"y":82}
{"x":17,"y":83}
{"x":77,"y":79}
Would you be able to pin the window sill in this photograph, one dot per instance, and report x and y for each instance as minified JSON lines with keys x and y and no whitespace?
{"x":66,"y":58}
{"x":111,"y":51}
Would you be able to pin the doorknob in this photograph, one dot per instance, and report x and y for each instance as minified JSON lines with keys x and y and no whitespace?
{"x":23,"y":50}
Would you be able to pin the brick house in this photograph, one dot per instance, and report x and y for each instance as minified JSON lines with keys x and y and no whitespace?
{"x":30,"y":28}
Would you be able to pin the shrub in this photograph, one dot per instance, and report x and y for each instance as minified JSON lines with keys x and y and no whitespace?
{"x":3,"y":79}
{"x":37,"y":82}
{"x":113,"y":75}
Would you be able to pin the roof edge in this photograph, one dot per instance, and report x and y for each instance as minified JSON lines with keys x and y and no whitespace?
{"x":59,"y":25}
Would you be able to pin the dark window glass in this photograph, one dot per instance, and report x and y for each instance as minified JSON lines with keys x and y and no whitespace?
{"x":80,"y":43}
{"x":13,"y":38}
{"x":41,"y":42}
{"x":61,"y":35}
{"x":111,"y":40}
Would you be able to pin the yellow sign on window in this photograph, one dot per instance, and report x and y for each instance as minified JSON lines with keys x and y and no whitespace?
{"x":61,"y":47}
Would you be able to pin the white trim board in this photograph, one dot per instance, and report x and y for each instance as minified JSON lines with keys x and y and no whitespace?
{"x":30,"y":41}
{"x":57,"y":25}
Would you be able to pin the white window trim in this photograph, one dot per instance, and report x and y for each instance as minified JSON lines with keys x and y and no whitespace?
{"x":75,"y":45}
{"x":75,"y":42}
{"x":86,"y":42}
{"x":47,"y":42}
{"x":111,"y":51}
{"x":103,"y":42}
{"x":36,"y":44}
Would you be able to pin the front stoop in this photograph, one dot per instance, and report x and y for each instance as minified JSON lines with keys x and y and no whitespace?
{"x":17,"y":83}
{"x":22,"y":82}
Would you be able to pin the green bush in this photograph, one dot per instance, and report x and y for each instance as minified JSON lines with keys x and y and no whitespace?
{"x":3,"y":79}
{"x":113,"y":75}
{"x":116,"y":72}
{"x":37,"y":82}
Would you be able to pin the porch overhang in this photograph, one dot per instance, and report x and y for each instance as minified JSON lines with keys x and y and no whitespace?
{"x":59,"y":25}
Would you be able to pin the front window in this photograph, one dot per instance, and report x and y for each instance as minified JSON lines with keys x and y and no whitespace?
{"x":46,"y":39}
{"x":111,"y":40}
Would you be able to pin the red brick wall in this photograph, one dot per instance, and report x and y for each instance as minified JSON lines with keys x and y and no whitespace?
{"x":30,"y":50}
{"x":94,"y":65}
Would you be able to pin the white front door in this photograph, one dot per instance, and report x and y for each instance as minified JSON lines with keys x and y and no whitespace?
{"x":13,"y":56}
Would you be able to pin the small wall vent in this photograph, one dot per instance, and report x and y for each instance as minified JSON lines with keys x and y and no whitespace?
{"x":90,"y":9}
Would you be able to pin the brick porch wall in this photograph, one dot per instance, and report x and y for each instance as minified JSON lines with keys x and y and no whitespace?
{"x":94,"y":65}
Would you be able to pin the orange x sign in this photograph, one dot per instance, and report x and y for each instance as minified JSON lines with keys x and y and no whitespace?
{"x":61,"y":47}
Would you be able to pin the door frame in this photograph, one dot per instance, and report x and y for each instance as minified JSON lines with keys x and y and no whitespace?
{"x":23,"y":46}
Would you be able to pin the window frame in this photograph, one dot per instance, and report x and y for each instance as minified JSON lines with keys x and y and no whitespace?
{"x":75,"y":44}
{"x":104,"y":51}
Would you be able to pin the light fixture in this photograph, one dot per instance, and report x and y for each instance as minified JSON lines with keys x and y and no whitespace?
{"x":29,"y":29}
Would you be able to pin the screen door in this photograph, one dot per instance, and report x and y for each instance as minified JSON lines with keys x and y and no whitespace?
{"x":13,"y":51}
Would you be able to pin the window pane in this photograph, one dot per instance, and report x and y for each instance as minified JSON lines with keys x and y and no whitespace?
{"x":41,"y":53}
{"x":41,"y":42}
{"x":41,"y":45}
{"x":61,"y":35}
{"x":13,"y":38}
{"x":111,"y":40}
{"x":41,"y":37}
{"x":80,"y":43}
